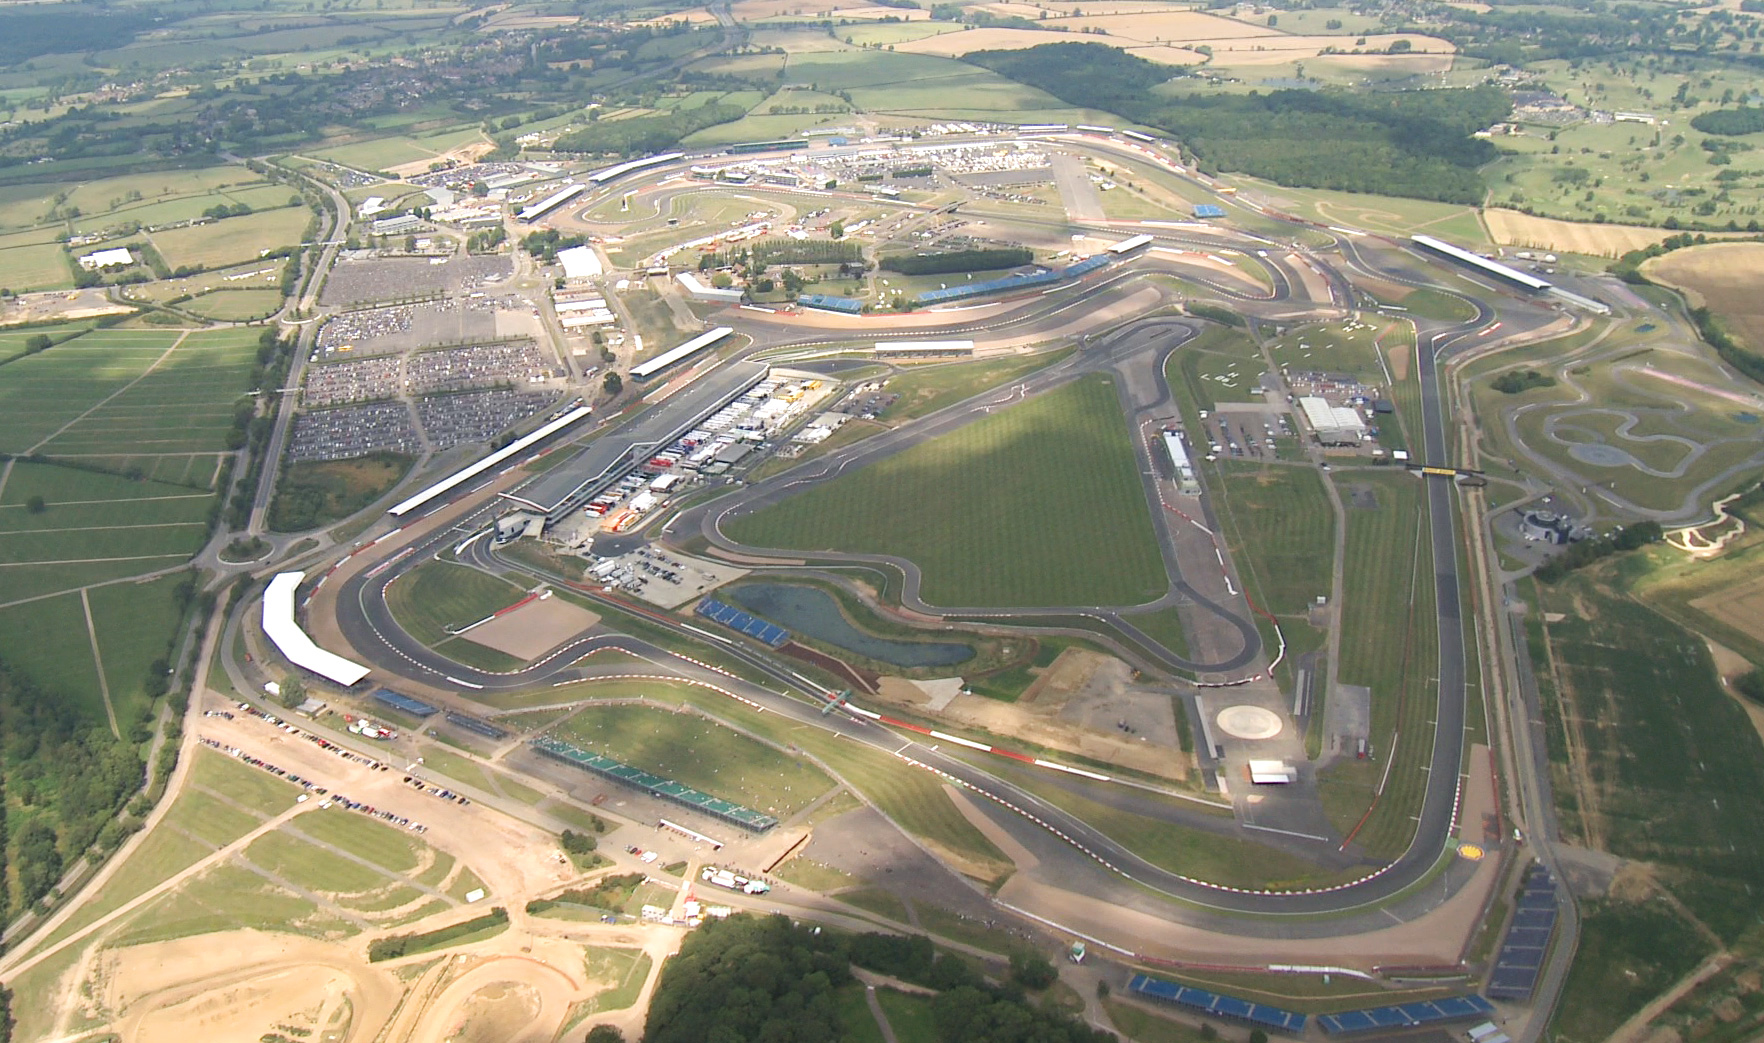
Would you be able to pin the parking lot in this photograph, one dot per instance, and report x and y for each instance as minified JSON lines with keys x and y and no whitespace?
{"x":364,"y":279}
{"x":484,"y":365}
{"x":359,"y":381}
{"x":478,"y":416}
{"x":338,"y":434}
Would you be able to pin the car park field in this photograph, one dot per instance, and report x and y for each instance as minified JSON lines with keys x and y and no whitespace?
{"x":972,"y":508}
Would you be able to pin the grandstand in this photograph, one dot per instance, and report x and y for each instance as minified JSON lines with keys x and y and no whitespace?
{"x":1207,"y":210}
{"x":1219,"y":1006}
{"x":765,"y":633}
{"x":1406,"y":1015}
{"x":1013,"y":283}
{"x":646,"y":370}
{"x":403,"y":703}
{"x":655,"y":785}
{"x":1528,"y":938}
{"x":280,"y":626}
{"x":827,"y":302}
{"x":472,"y":724}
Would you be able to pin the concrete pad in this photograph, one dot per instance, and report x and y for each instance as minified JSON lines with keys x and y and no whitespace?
{"x":533,"y":628}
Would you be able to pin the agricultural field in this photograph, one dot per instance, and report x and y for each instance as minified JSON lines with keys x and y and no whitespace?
{"x":133,"y":426}
{"x":39,"y":267}
{"x":977,"y":524}
{"x":1630,"y":699}
{"x":1721,"y":277}
{"x":432,"y":601}
{"x":158,"y":197}
{"x":700,"y":753}
{"x":234,"y":240}
{"x":236,"y":305}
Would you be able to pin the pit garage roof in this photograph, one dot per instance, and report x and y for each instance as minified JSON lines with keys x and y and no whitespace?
{"x":280,"y":626}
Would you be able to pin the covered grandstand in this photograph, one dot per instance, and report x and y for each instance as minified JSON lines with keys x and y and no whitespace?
{"x":827,"y":302}
{"x":1522,"y":951}
{"x":1480,"y":263}
{"x":467,"y":473}
{"x":674,"y":356}
{"x":404,"y":704}
{"x":551,"y":202}
{"x":1219,"y":1006}
{"x":283,"y":630}
{"x":601,"y":177}
{"x":1047,"y":277}
{"x":655,"y":785}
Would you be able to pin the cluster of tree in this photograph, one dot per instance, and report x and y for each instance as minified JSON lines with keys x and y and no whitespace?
{"x":308,"y":495}
{"x":397,"y":945}
{"x":1515,"y":37}
{"x":957,"y":261}
{"x":545,"y":243}
{"x":486,"y":241}
{"x":220,"y":211}
{"x":1751,"y":685}
{"x":274,"y":355}
{"x":1579,"y":555}
{"x":746,"y":978}
{"x":1516,"y":381}
{"x":1409,"y":143}
{"x":641,"y":135}
{"x":31,"y":31}
{"x":804,"y":251}
{"x":610,"y":893}
{"x":578,"y":843}
{"x":63,"y":779}
{"x":1730,"y":122}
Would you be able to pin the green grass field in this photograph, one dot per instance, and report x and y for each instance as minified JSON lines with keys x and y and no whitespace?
{"x":135,"y":623}
{"x":234,"y":240}
{"x":924,"y":390}
{"x":47,"y":641}
{"x":1280,"y":529}
{"x":389,"y":848}
{"x":236,"y":305}
{"x":438,"y":597}
{"x":1389,"y":645}
{"x":42,"y":267}
{"x":241,"y":783}
{"x":699,"y":753}
{"x":312,"y":867}
{"x":980,"y":510}
{"x":226,"y":898}
{"x":310,"y":493}
{"x":623,"y":970}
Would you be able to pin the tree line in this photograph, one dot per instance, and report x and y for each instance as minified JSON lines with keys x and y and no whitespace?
{"x":647,"y":134}
{"x":957,"y":261}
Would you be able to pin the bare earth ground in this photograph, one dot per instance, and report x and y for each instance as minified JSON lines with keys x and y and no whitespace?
{"x":464,"y":154}
{"x":1723,"y":276}
{"x":533,"y":629}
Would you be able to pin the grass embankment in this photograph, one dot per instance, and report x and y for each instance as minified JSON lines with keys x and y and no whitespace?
{"x":474,"y":930}
{"x":974,"y":508}
{"x":703,"y":754}
{"x":925,"y":389}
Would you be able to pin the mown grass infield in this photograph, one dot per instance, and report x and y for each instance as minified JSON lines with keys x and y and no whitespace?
{"x":1037,"y":505}
{"x":432,"y":601}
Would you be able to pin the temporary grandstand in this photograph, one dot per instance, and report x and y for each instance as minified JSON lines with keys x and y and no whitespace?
{"x":404,"y":704}
{"x":1425,"y":1013}
{"x":1014,"y":283}
{"x":473,"y":724}
{"x":1208,"y":210}
{"x":828,"y":302}
{"x":1211,"y":1003}
{"x":923,"y":349}
{"x":1528,"y":938}
{"x":770,"y":634}
{"x":655,"y":785}
{"x":283,"y":630}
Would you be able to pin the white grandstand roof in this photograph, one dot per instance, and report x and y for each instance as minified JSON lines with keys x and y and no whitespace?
{"x":579,"y":262}
{"x":280,"y":626}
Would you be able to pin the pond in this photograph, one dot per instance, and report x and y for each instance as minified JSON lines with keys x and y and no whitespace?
{"x":814,"y":613}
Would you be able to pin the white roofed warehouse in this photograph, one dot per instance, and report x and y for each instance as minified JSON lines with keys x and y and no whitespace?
{"x":1333,"y":425}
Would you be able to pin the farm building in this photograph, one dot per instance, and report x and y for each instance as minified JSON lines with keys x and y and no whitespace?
{"x":120,"y":257}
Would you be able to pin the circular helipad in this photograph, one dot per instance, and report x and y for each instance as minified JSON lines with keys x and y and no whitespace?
{"x":1249,"y":722}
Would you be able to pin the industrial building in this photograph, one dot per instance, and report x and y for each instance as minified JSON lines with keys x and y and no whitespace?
{"x":1333,"y":425}
{"x":601,"y":463}
{"x":117,"y":257}
{"x":698,"y":291}
{"x":1183,"y":466}
{"x":403,"y":224}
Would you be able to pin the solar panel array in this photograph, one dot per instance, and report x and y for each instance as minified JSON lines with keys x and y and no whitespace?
{"x":404,"y":703}
{"x":1217,"y":1005}
{"x":827,"y":302}
{"x":1406,"y":1015}
{"x":655,"y":785}
{"x":1209,"y":210}
{"x":765,"y":633}
{"x":1528,"y":937}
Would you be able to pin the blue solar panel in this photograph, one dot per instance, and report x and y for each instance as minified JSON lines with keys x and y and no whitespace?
{"x":742,"y":622}
{"x":1208,"y":210}
{"x":1218,"y":1005}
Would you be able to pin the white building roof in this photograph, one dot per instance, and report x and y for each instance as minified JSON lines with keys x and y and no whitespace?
{"x":115,"y":257}
{"x":699,"y":291}
{"x":1324,"y":417}
{"x":579,"y":262}
{"x":284,"y":632}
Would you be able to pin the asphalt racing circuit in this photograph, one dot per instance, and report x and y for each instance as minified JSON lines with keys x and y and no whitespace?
{"x":1122,"y":327}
